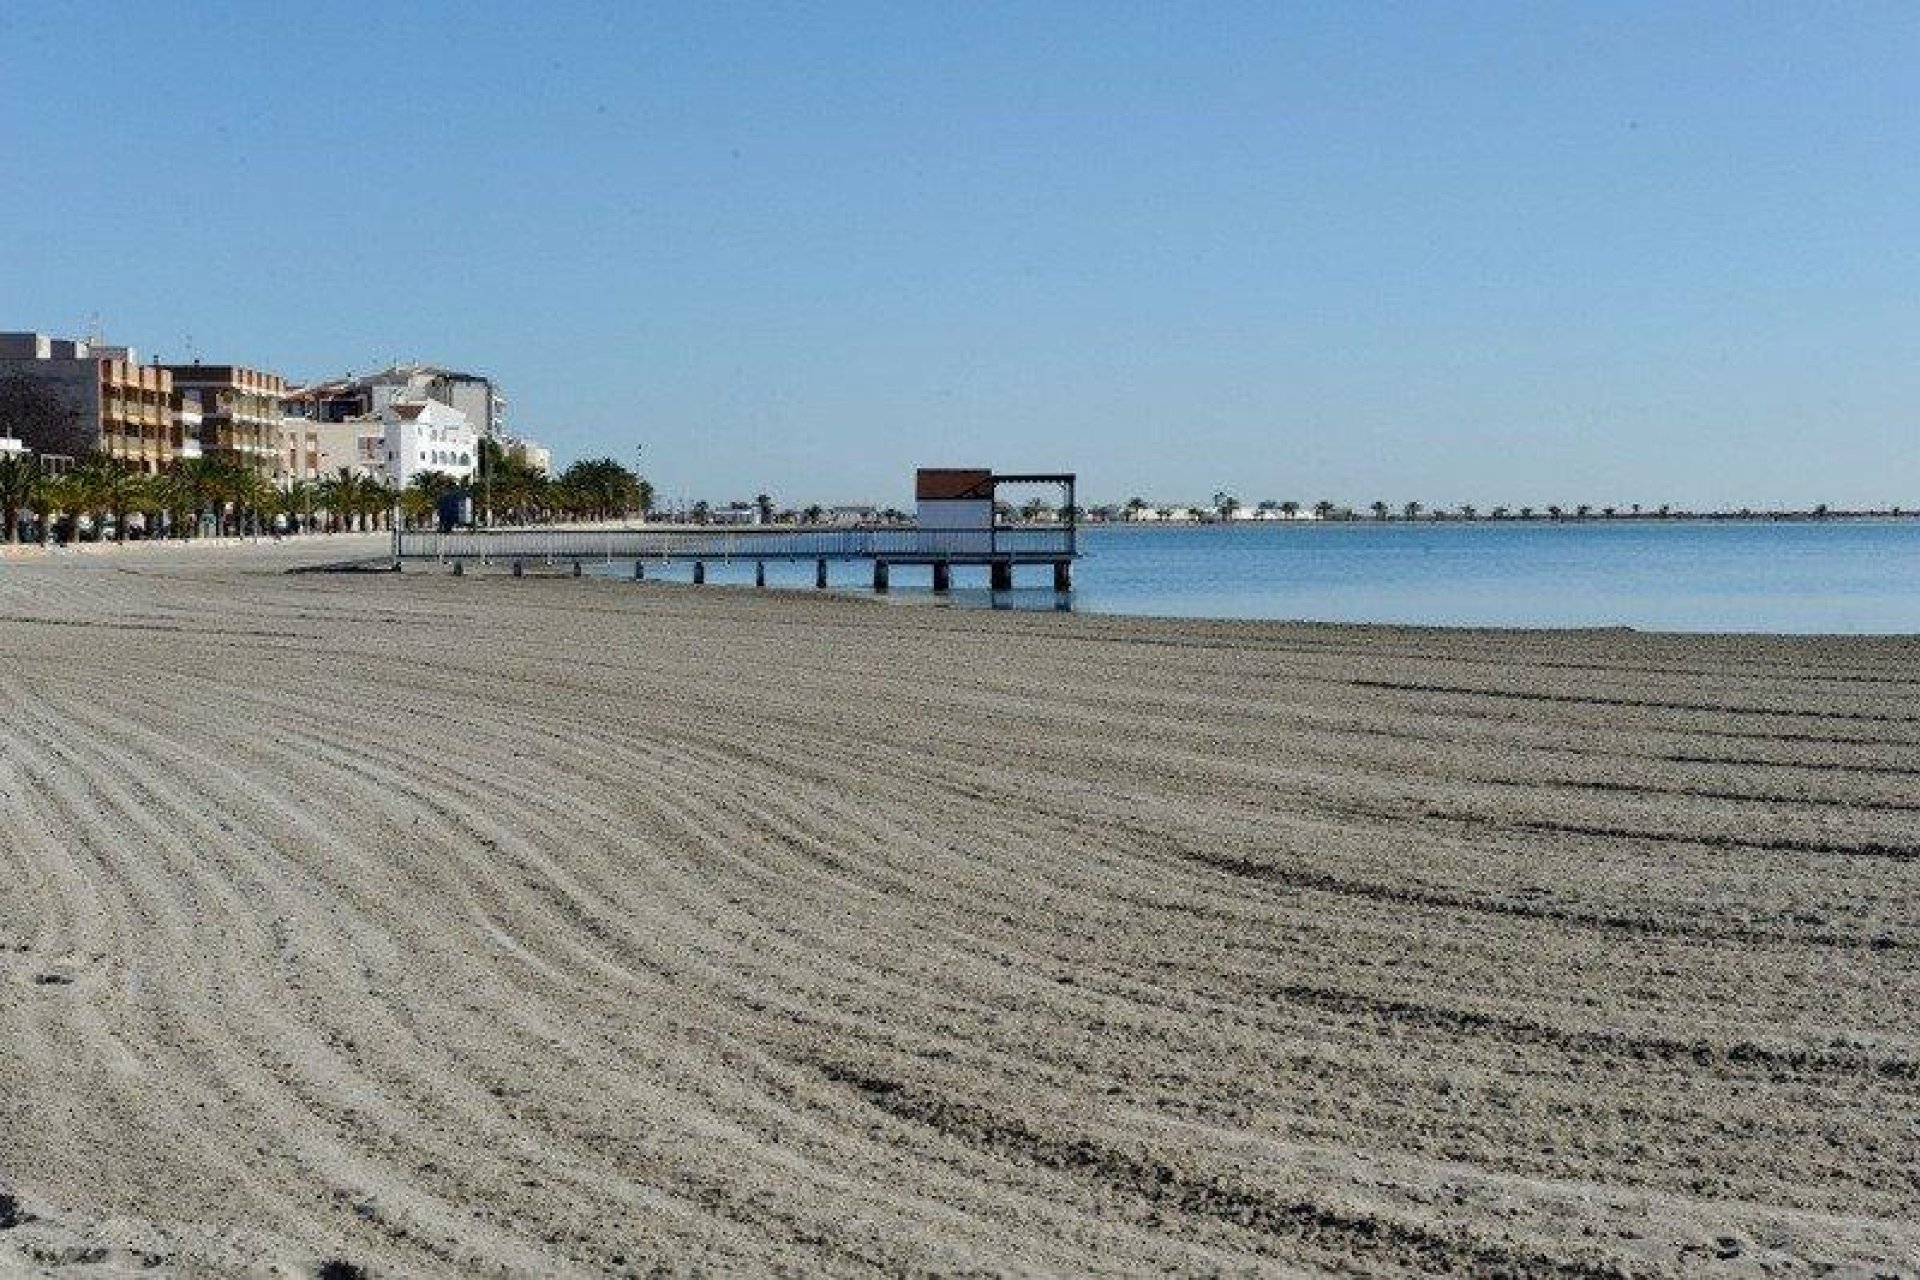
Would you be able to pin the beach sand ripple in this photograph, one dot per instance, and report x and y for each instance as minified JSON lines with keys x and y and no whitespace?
{"x":415,"y":925}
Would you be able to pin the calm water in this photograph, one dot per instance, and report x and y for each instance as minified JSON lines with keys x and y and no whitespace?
{"x":1839,"y":576}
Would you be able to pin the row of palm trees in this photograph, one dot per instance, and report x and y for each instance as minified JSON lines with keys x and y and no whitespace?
{"x":198,"y":497}
{"x":217,"y":497}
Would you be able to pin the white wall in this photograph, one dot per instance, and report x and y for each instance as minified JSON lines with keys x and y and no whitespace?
{"x":437,"y":438}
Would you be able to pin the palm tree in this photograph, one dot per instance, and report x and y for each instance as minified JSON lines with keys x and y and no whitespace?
{"x":19,"y":477}
{"x":1412,"y":510}
{"x":1380,"y":510}
{"x":341,"y":494}
{"x":1468,"y":511}
{"x":57,"y":494}
{"x":1289,"y":508}
{"x":123,"y":490}
{"x":299,"y":498}
{"x":89,"y":491}
{"x":1323,"y":508}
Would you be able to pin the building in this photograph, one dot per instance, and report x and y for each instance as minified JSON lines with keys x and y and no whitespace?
{"x":535,"y":457}
{"x":311,"y":450}
{"x":427,"y":435}
{"x":121,"y":408}
{"x":475,"y":395}
{"x":240,"y":411}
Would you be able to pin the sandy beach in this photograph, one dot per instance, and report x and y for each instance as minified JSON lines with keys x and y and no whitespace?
{"x":420,"y":925}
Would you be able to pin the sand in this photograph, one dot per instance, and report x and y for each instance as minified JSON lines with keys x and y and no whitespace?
{"x":414,"y":925}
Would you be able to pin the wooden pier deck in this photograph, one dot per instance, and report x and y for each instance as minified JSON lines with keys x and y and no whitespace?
{"x":1000,"y":549}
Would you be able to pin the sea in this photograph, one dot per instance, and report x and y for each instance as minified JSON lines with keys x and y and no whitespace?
{"x":1844,"y":576}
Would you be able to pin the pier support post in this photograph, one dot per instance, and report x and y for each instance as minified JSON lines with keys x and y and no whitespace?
{"x":820,"y":575}
{"x":759,"y":573}
{"x":458,"y":568}
{"x":1063,"y":575}
{"x":699,"y":572}
{"x":1000,"y":575}
{"x":639,"y":571}
{"x":519,"y":569}
{"x":942,"y":577}
{"x":880,"y":577}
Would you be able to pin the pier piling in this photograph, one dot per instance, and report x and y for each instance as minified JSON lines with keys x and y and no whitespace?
{"x":820,"y":575}
{"x":942,"y":577}
{"x":759,"y":573}
{"x":639,"y":571}
{"x":1000,"y":575}
{"x":699,"y":572}
{"x":458,"y":568}
{"x":519,"y":569}
{"x":880,"y":577}
{"x":1063,"y":575}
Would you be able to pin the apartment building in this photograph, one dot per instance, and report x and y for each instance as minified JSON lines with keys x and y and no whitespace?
{"x":120,"y":407}
{"x":475,"y":395}
{"x":240,"y":411}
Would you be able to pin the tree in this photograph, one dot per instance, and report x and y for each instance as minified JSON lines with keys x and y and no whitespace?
{"x":813,"y":513}
{"x":1468,"y":511}
{"x":19,"y":479}
{"x":1412,"y":510}
{"x":123,"y":490}
{"x":1323,"y":508}
{"x":34,"y":410}
{"x":601,"y":488}
{"x":340,"y":494}
{"x":300,"y":498}
{"x":1380,"y":510}
{"x":1289,"y":508}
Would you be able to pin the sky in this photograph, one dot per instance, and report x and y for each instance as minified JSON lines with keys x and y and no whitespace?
{"x":1521,"y":253}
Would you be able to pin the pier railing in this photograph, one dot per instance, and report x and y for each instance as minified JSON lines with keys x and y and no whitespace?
{"x":908,"y":545}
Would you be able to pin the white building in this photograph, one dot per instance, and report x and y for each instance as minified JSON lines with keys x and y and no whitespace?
{"x":426,"y":435}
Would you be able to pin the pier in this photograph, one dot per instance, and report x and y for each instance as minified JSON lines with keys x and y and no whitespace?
{"x":957,"y":530}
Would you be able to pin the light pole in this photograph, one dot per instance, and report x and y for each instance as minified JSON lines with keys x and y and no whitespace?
{"x":640,"y":478}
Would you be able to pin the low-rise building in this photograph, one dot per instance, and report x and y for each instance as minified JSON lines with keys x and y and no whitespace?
{"x":427,"y":435}
{"x":311,"y":450}
{"x":119,"y":407}
{"x":528,"y":454}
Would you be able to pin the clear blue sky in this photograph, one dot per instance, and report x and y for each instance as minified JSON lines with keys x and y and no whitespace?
{"x":1489,"y":253}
